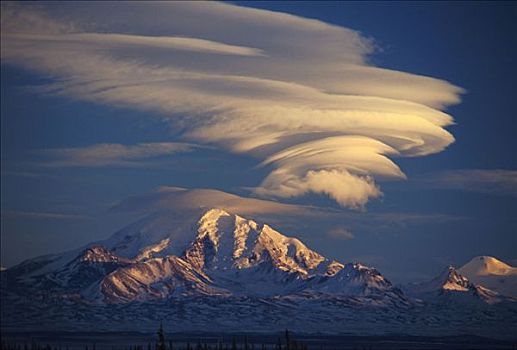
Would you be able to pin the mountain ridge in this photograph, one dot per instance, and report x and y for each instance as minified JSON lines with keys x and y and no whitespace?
{"x":201,"y":265}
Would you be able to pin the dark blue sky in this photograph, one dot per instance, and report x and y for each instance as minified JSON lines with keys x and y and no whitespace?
{"x":471,"y":45}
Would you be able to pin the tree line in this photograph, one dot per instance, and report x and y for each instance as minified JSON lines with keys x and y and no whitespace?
{"x":286,"y":342}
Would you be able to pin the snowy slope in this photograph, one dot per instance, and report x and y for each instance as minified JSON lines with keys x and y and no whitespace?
{"x":487,"y":265}
{"x":493,"y":274}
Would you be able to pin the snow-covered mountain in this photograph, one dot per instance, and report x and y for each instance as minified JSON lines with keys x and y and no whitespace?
{"x":451,"y":284}
{"x":166,"y":256}
{"x":200,"y":268}
{"x":493,"y":274}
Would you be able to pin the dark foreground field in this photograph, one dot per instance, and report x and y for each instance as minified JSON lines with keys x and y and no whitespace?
{"x":207,"y":341}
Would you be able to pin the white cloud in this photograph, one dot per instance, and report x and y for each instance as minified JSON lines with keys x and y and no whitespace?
{"x":111,"y":154}
{"x":295,"y":92}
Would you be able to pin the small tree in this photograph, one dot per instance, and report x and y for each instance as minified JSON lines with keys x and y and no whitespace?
{"x":287,"y":340}
{"x":160,"y":345}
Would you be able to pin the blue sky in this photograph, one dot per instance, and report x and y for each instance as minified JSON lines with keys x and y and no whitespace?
{"x":61,"y":172}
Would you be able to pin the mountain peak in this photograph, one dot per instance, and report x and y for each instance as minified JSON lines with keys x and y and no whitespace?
{"x":451,"y":283}
{"x":492,"y":273}
{"x":213,"y":214}
{"x":226,"y":241}
{"x":487,"y":265}
{"x":450,"y":279}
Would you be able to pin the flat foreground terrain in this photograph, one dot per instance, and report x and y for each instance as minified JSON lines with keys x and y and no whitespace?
{"x":120,"y":340}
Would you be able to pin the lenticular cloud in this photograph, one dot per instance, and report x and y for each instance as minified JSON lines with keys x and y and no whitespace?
{"x":296,"y":93}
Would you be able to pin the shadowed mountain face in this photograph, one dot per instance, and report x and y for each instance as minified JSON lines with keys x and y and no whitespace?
{"x":196,"y":266}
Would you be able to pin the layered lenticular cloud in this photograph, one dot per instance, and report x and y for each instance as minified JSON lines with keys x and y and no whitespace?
{"x":296,"y":93}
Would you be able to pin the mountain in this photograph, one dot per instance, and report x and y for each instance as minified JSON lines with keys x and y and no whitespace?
{"x":451,"y":284}
{"x":493,"y":274}
{"x":221,"y":254}
{"x":207,"y":269}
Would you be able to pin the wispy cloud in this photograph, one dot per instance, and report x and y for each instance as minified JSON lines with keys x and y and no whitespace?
{"x":135,"y":41}
{"x":496,"y":181}
{"x":340,"y":233}
{"x":13,"y":214}
{"x":111,"y":154}
{"x":307,"y":102}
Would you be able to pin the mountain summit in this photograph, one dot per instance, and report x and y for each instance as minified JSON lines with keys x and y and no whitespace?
{"x":487,"y":265}
{"x":492,"y":273}
{"x":451,"y":284}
